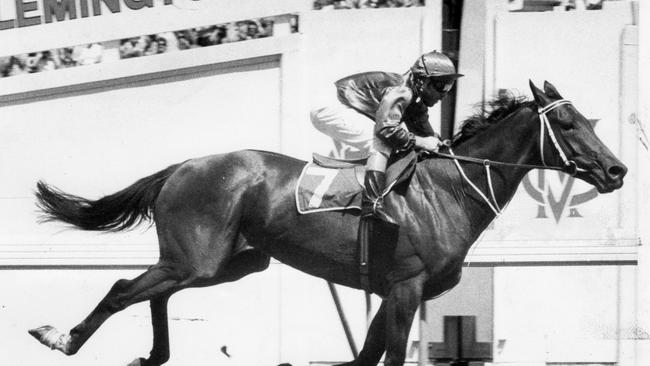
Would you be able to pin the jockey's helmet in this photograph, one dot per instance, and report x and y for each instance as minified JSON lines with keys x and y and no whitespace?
{"x":435,"y":65}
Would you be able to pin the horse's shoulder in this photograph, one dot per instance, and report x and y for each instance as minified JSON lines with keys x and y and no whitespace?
{"x":437,"y":172}
{"x":434,"y":190}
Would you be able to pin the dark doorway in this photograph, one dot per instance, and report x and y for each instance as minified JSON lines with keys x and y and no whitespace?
{"x":452,"y":11}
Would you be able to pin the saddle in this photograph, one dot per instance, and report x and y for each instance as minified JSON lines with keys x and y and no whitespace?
{"x":334,"y":163}
{"x":329,"y":184}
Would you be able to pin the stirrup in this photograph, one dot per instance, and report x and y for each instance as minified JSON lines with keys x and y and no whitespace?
{"x":377,"y":211}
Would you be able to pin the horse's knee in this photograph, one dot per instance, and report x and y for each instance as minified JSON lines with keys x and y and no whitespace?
{"x":112,"y":302}
{"x":257,"y":261}
{"x":394,"y":361}
{"x":120,"y":285}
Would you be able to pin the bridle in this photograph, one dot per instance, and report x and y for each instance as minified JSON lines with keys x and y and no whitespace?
{"x":545,"y":124}
{"x":569,"y":167}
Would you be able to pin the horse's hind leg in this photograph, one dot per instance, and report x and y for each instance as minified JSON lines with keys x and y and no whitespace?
{"x":160,"y":349}
{"x":241,"y":264}
{"x":193,"y":253}
{"x":159,"y":280}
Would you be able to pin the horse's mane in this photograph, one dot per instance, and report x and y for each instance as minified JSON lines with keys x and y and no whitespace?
{"x":488,"y":114}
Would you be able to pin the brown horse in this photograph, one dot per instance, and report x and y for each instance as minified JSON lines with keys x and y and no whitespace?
{"x":203,"y":206}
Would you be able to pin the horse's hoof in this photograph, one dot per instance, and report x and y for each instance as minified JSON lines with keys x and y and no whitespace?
{"x":138,"y":362}
{"x":143,"y":362}
{"x":52,"y":338}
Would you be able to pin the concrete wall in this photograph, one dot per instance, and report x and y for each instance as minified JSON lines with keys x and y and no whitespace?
{"x":643,"y":274}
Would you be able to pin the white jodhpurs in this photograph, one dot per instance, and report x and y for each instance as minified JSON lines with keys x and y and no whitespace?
{"x":353,"y":134}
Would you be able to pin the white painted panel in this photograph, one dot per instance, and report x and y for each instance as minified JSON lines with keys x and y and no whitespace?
{"x":561,"y":314}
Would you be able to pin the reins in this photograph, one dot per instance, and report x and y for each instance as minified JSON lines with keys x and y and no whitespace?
{"x":569,"y":167}
{"x":487,"y":162}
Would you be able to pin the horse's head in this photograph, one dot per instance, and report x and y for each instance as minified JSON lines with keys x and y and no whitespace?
{"x":568,"y":139}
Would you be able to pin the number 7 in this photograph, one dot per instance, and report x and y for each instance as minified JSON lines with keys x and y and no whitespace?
{"x":328,"y":177}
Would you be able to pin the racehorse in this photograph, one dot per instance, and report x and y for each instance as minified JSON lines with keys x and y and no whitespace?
{"x":202,"y":207}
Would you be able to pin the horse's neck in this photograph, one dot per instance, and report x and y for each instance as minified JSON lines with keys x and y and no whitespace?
{"x":513,"y":140}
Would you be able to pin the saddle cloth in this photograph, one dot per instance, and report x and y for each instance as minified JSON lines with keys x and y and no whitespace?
{"x":328,"y":189}
{"x":330,"y":185}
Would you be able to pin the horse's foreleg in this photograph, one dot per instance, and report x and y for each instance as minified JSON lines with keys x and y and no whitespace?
{"x":375,"y":343}
{"x":401,"y":305}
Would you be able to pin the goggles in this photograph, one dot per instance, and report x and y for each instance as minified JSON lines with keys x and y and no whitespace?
{"x":441,"y":86}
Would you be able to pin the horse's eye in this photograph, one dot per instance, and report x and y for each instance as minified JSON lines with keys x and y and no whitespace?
{"x":567,"y":126}
{"x":565,"y":120}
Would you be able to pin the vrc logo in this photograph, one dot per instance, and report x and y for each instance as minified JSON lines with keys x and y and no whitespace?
{"x":557,"y":195}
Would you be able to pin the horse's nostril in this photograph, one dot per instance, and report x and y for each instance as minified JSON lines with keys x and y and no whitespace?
{"x":616,"y":171}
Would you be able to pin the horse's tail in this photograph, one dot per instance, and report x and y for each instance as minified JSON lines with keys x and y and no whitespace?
{"x":118,"y":211}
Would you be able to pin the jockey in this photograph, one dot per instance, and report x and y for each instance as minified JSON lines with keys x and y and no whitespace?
{"x":387,"y":99}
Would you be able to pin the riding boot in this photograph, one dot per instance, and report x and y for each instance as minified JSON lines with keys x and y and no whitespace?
{"x":372,"y":203}
{"x":372,"y":212}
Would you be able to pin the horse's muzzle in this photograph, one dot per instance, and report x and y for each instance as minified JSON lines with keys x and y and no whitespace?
{"x":606,"y":178}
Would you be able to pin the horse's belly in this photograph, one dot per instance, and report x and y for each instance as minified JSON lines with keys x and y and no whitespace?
{"x":322,"y":245}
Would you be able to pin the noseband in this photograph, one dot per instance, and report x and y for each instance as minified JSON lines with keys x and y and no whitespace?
{"x":569,"y":167}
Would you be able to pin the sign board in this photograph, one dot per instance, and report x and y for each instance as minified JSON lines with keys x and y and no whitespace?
{"x":37,"y":25}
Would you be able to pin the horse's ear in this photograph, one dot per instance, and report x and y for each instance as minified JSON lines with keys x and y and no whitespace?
{"x":550,"y":90}
{"x":540,"y":98}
